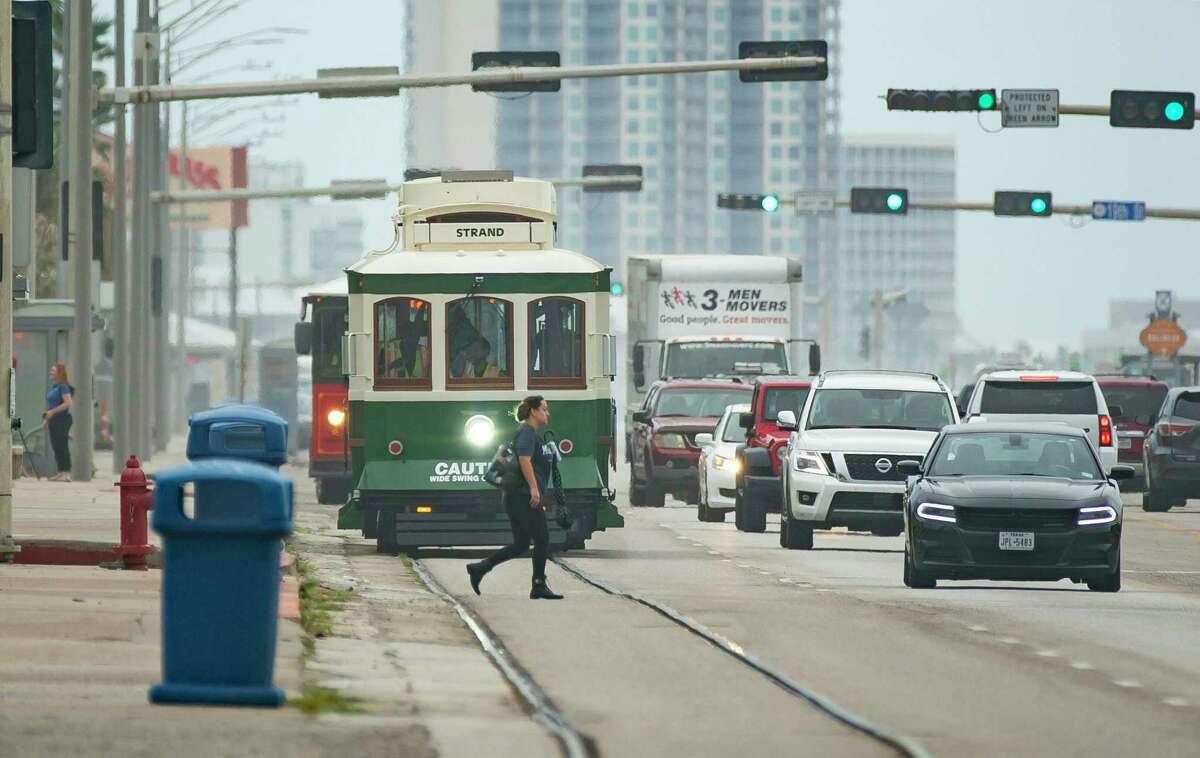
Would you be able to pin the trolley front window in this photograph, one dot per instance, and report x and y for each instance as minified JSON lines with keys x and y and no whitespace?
{"x":556,"y":345}
{"x":402,"y":340}
{"x":479,"y":344}
{"x":329,"y":324}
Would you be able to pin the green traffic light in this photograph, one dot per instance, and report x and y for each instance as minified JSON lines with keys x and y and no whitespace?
{"x":770,"y":203}
{"x":1173,"y":111}
{"x":617,"y":289}
{"x":987,"y":101}
{"x":894,"y":201}
{"x":1037,"y":205}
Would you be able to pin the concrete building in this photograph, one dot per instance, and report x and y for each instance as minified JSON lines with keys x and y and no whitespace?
{"x":696,"y":135}
{"x":884,"y":253}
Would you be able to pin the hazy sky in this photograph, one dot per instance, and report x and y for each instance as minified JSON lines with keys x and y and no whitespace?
{"x":1038,"y":279}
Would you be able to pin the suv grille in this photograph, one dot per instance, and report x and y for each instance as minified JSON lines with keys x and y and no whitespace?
{"x":867,"y":501}
{"x":867,"y":467}
{"x":1000,"y":519}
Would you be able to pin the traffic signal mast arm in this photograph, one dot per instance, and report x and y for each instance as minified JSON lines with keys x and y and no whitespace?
{"x":1184,"y":214}
{"x":350,"y":84}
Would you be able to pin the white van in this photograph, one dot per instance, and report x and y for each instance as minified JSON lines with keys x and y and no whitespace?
{"x":1066,"y":397}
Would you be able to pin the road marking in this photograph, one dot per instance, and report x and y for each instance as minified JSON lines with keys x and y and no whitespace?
{"x":1151,"y":571}
{"x":977,"y":628}
{"x":765,"y":573}
{"x":1010,"y":640}
{"x":1082,"y":666}
{"x":743,"y":565}
{"x":1048,"y":653}
{"x":824,"y":589}
{"x":785,"y":580}
{"x":1178,"y":702}
{"x":1128,"y":684}
{"x":726,"y":560}
{"x":713,"y":552}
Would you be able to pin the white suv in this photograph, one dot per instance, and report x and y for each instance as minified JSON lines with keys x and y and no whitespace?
{"x":841,"y":461}
{"x":1065,"y":397}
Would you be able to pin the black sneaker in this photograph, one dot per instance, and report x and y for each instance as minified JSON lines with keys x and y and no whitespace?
{"x":542,"y":591}
{"x":476,"y":571}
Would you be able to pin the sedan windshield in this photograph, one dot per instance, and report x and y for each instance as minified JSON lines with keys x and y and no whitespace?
{"x":699,"y":401}
{"x":879,"y":409}
{"x":1015,"y":454}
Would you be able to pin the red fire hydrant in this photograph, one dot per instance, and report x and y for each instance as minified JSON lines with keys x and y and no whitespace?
{"x":136,"y":501}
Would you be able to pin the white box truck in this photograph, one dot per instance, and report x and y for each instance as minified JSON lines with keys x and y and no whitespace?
{"x":699,"y":316}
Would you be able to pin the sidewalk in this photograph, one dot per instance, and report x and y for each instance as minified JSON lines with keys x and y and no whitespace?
{"x":80,"y":647}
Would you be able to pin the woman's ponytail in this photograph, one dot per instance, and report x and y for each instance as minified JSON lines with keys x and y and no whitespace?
{"x":526,"y":406}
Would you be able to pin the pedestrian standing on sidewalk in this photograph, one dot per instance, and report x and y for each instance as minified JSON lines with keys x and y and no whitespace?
{"x":525,"y":502}
{"x":57,"y":420}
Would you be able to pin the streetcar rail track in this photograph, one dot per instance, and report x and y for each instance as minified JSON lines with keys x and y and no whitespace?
{"x":542,"y":709}
{"x":903,"y":745}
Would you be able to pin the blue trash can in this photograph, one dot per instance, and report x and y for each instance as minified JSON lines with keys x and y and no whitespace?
{"x":246,"y":432}
{"x":220,"y":591}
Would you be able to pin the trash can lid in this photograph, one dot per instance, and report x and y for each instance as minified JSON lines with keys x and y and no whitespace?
{"x":248,"y":432}
{"x":253,"y":500}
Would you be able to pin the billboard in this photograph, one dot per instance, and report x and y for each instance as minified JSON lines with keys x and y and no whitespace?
{"x":209,"y":168}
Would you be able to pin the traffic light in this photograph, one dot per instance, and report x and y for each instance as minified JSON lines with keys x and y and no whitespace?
{"x":1140,"y":109}
{"x":616,"y":289}
{"x":516,"y":59}
{"x":783,"y":49}
{"x":878,"y":200}
{"x":941,"y":100}
{"x":768,"y":203}
{"x":1022,"y":204}
{"x":616,"y":170}
{"x":33,"y":86}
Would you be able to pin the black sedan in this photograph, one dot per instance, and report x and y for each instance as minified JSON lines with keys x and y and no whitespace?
{"x":1012,"y":502}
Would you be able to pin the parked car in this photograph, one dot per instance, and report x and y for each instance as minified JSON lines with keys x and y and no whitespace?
{"x":1012,"y":501}
{"x":1171,"y":455}
{"x":842,"y":459}
{"x":718,"y":465}
{"x":663,"y":449}
{"x":1138,"y":399}
{"x":758,"y":486}
{"x":1064,"y":397}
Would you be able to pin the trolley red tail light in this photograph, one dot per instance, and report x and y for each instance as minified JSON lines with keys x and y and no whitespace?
{"x":1106,"y":432}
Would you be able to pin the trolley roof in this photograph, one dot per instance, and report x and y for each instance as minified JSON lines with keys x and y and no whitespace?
{"x":532,"y":262}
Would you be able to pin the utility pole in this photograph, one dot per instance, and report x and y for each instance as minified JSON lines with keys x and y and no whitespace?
{"x":880,"y":301}
{"x":145,"y":49}
{"x":79,"y":238}
{"x":7,"y":545}
{"x":160,"y":270}
{"x":235,"y":365}
{"x":121,"y":442}
{"x":183,"y":297}
{"x":62,"y":287}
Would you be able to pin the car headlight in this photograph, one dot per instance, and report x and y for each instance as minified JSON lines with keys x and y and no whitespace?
{"x":808,"y":462}
{"x":669,"y":441}
{"x":937,"y":512}
{"x":722,"y":463}
{"x":1097,"y":514}
{"x":479,"y":430}
{"x":336,"y":417}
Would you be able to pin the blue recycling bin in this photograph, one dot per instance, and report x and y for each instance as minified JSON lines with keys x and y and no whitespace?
{"x":221,"y":577}
{"x":246,"y":432}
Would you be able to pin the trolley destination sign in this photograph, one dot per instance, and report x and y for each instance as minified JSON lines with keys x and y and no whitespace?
{"x":1028,"y":107}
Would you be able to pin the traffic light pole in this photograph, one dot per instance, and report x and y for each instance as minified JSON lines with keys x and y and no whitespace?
{"x":354,"y":85}
{"x":120,"y":251}
{"x":8,"y":545}
{"x":1178,"y":214}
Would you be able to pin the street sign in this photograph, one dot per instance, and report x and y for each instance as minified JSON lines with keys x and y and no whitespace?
{"x":1118,"y":210}
{"x":1163,"y":337}
{"x":814,"y":202}
{"x":1028,"y":107}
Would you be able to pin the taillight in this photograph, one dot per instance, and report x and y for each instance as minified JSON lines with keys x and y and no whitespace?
{"x":1174,"y":429}
{"x":1106,"y":435}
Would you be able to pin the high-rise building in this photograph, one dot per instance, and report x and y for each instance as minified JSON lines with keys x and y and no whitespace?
{"x":882,"y":253}
{"x":696,"y":135}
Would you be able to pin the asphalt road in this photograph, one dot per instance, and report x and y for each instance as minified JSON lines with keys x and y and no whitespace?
{"x":970,"y":668}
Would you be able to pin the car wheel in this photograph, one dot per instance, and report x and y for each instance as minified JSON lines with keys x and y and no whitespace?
{"x":702,"y":512}
{"x":738,"y":512}
{"x":655,"y":496}
{"x":637,"y":491}
{"x":1155,"y":500}
{"x":754,"y":517}
{"x":386,"y":542}
{"x":795,"y":535}
{"x":914,"y":579}
{"x":1109,"y":583}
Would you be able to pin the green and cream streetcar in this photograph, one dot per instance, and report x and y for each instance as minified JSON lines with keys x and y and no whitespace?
{"x":471,"y":309}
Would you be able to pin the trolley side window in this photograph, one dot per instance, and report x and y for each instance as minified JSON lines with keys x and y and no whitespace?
{"x":479,"y":343}
{"x":402,"y":340}
{"x":557,"y":354}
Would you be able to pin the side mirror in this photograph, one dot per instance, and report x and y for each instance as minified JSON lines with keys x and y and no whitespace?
{"x":746,"y":421}
{"x":1120,"y":472}
{"x":908,"y":467}
{"x":703,"y":438}
{"x":786,"y":420}
{"x":758,"y":461}
{"x":303,"y":336}
{"x":962,"y":412}
{"x":640,"y":417}
{"x":1116,"y":411}
{"x":639,"y":370}
{"x":814,"y":359}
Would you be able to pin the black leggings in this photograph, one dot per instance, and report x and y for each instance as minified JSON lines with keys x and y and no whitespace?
{"x":527,"y":524}
{"x":60,"y":428}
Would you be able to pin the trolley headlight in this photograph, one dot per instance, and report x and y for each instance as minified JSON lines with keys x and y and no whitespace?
{"x":808,"y":462}
{"x":937,"y":512}
{"x":479,"y":430}
{"x":1097,"y":514}
{"x":336,"y":417}
{"x":669,"y":441}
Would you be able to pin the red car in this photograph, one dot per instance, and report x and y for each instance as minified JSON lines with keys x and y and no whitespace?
{"x":1136,"y":400}
{"x":662,"y":444}
{"x":766,"y":442}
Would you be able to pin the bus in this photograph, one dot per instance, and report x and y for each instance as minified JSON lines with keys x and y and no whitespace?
{"x":469,"y":310}
{"x":318,"y":334}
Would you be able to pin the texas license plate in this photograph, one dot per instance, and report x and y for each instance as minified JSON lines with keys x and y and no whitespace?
{"x":1124,"y":443}
{"x":1016,"y":540}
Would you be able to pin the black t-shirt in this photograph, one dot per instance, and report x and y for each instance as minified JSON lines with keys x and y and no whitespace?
{"x":528,"y":443}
